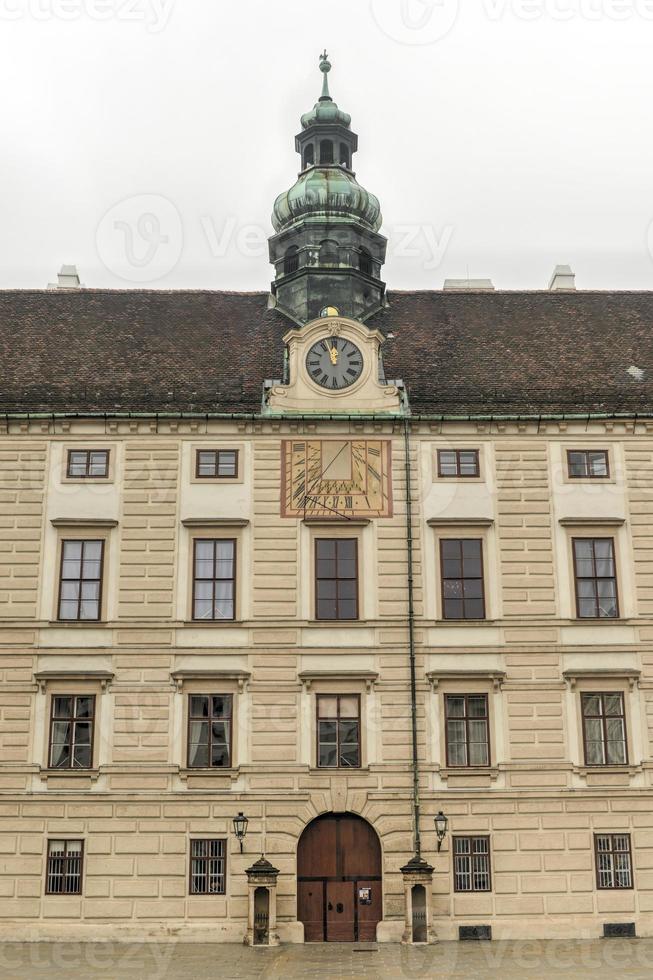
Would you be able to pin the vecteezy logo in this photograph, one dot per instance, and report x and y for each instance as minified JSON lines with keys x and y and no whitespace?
{"x":140,"y":239}
{"x":415,"y":21}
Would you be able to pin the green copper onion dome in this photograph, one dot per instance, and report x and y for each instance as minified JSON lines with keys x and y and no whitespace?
{"x":327,"y":189}
{"x":327,"y":193}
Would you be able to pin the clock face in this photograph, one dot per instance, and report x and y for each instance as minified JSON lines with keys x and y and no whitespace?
{"x":334,"y":363}
{"x":336,"y":478}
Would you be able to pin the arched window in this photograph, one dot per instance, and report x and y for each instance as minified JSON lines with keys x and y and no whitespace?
{"x":291,"y":260}
{"x":365,"y":262}
{"x":328,"y":252}
{"x":326,"y":151}
{"x":344,"y":156}
{"x":309,"y":155}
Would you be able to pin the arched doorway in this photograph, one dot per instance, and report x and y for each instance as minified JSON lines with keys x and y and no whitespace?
{"x":339,"y":880}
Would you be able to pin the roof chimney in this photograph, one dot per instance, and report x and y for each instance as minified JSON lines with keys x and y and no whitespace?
{"x":67,"y":278}
{"x":563,"y":278}
{"x":468,"y":285}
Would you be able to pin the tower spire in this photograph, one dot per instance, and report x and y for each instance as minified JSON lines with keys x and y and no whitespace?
{"x":325,"y":68}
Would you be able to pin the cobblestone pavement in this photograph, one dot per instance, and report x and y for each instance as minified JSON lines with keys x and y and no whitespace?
{"x":183,"y":961}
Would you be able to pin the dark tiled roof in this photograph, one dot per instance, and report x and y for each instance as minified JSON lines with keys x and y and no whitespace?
{"x":459,"y":353}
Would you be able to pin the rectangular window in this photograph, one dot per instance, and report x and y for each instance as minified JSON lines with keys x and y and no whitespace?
{"x":614,"y":866}
{"x":604,"y":729}
{"x":471,"y":864}
{"x":214,"y":579}
{"x":458,"y":462}
{"x":216,"y":463}
{"x":88,"y":464}
{"x":338,"y":731}
{"x":80,"y":586}
{"x":461,"y":563}
{"x":588,"y":464}
{"x":209,"y":731}
{"x":207,"y":867}
{"x":64,"y":868}
{"x":71,"y":731}
{"x":467,"y":730}
{"x":336,"y":578}
{"x":596,"y":578}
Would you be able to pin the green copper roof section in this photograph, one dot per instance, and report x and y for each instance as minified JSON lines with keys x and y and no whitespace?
{"x":325,"y":112}
{"x":327,"y":193}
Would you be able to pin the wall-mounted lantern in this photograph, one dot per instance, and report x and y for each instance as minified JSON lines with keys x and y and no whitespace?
{"x":240,"y":829}
{"x":441,"y":824}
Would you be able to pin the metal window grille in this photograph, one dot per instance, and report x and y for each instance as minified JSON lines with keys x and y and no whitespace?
{"x":613,"y":861}
{"x":64,"y":868}
{"x":208,"y":867}
{"x":471,"y":864}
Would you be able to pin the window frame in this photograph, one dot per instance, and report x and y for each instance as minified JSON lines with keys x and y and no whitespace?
{"x":488,"y":854}
{"x":233,"y":579}
{"x":66,"y":859}
{"x":458,"y":475}
{"x":83,"y":541}
{"x":216,"y":454}
{"x":316,"y":579}
{"x":205,"y":859}
{"x":466,"y":695}
{"x":190,"y":718}
{"x":338,"y":696}
{"x":588,"y":475}
{"x":462,"y":619}
{"x":603,"y":717}
{"x":72,"y":721}
{"x":612,"y":835}
{"x":87,"y":476}
{"x":594,"y":578}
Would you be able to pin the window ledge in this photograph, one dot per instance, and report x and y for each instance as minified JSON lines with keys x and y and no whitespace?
{"x":83,"y":522}
{"x":460,"y":522}
{"x":629,"y":769}
{"x":339,"y":770}
{"x":78,"y":623}
{"x":102,"y":677}
{"x":473,"y":772}
{"x":232,"y":773}
{"x":215,"y":522}
{"x":592,"y":521}
{"x":212,"y":623}
{"x":496,"y":677}
{"x":573,"y":676}
{"x":92,"y":774}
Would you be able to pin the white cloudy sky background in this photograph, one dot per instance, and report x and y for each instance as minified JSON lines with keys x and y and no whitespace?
{"x":146,"y":140}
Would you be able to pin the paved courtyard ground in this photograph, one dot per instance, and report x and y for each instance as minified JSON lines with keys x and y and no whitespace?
{"x":182,"y":961}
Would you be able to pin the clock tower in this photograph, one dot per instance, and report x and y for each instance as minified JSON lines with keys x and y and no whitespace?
{"x":327,"y":250}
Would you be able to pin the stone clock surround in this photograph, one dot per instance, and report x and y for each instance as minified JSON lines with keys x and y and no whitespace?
{"x":367,"y":395}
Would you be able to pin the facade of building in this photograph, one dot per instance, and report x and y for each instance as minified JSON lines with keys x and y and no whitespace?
{"x":336,"y":560}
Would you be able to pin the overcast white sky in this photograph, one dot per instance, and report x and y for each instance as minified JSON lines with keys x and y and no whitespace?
{"x":146,"y":140}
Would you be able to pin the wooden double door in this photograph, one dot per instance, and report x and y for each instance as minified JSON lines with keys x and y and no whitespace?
{"x":339,"y":880}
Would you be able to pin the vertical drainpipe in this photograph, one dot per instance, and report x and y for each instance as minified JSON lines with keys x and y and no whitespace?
{"x":411,"y":641}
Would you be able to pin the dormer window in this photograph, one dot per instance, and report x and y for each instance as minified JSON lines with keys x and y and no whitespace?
{"x":326,"y":151}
